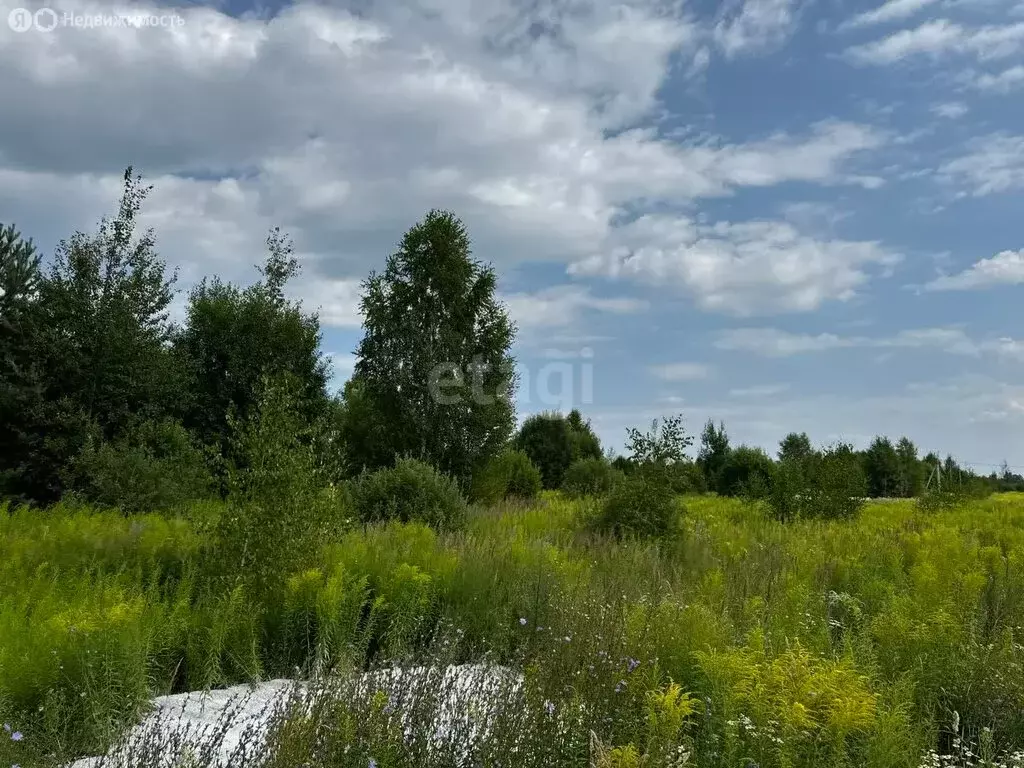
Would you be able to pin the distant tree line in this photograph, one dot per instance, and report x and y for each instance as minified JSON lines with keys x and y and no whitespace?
{"x":105,"y":398}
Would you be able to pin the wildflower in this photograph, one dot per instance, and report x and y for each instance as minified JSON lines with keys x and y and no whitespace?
{"x":7,"y":727}
{"x":632,"y":664}
{"x":522,"y":622}
{"x":373,"y":763}
{"x":549,"y":707}
{"x":621,"y":686}
{"x":16,"y":736}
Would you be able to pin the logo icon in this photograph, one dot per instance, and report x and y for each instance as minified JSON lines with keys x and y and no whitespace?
{"x":46,"y":19}
{"x":20,"y":20}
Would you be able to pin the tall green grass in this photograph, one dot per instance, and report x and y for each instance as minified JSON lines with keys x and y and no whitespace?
{"x":816,"y":643}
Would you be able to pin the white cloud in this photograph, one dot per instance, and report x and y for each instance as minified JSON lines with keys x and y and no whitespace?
{"x":756,"y":267}
{"x":759,"y":26}
{"x":682,"y":371}
{"x":1005,"y":268}
{"x":1003,"y":82}
{"x":758,"y":391}
{"x":951,"y":110}
{"x":890,"y":11}
{"x":772,"y":342}
{"x":355,"y":126}
{"x":939,"y":37}
{"x":563,"y":305}
{"x":993,"y":163}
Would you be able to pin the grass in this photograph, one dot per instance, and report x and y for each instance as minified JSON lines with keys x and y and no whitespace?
{"x":889,"y":641}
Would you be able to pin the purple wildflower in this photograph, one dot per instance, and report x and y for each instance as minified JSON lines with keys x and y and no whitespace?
{"x":549,"y":707}
{"x":632,"y":664}
{"x":621,"y":686}
{"x":17,"y":736}
{"x":7,"y":727}
{"x":373,"y":763}
{"x":522,"y":622}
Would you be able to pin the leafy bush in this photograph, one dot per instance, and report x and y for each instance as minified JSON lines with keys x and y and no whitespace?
{"x":686,"y":477}
{"x":553,"y":442}
{"x":410,"y":490}
{"x":826,"y":485}
{"x":154,"y":467}
{"x":747,"y":472}
{"x":590,"y":477}
{"x":507,"y":475}
{"x":642,"y":505}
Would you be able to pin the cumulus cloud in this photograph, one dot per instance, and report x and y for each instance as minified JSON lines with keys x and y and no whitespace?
{"x":563,"y":305}
{"x":1001,"y":82}
{"x":1005,"y":268}
{"x":741,"y":269}
{"x":951,"y":110}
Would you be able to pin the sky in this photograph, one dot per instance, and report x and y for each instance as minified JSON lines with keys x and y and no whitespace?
{"x":787,"y":215}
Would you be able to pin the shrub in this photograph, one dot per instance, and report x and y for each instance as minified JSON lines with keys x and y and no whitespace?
{"x":553,"y":442}
{"x":642,"y":505}
{"x":410,"y":490}
{"x":507,"y":475}
{"x":825,"y":485}
{"x":686,"y":477}
{"x":590,"y":477}
{"x":153,"y":467}
{"x":747,"y":472}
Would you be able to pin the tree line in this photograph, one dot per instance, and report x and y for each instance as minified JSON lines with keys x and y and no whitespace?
{"x":104,"y":397}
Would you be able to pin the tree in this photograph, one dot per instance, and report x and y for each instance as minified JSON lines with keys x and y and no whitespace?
{"x":434,"y":362}
{"x":795,"y":447}
{"x":664,"y":444}
{"x":882,"y":468}
{"x":911,"y":469}
{"x":747,"y":472}
{"x":233,"y":339}
{"x":99,"y":342}
{"x":713,"y":455}
{"x":20,"y":389}
{"x":553,"y":442}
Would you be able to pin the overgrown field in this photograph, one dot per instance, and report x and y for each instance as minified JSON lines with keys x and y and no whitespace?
{"x":865,"y":642}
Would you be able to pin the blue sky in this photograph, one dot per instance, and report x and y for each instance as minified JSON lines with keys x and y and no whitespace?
{"x":784,"y":214}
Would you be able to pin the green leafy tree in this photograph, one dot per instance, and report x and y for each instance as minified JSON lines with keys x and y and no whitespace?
{"x":434,"y":364}
{"x":911,"y":469}
{"x":795,"y":447}
{"x":882,"y":468}
{"x":747,"y":472}
{"x":553,"y":442}
{"x":664,"y":444}
{"x":713,"y":455}
{"x":234,"y":338}
{"x":99,"y":342}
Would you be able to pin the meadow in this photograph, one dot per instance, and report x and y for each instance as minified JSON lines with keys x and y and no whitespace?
{"x":890,"y":640}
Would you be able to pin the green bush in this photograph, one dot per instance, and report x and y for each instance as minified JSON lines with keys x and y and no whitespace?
{"x":590,"y":477}
{"x":410,"y":490}
{"x":155,"y":466}
{"x":642,"y":505}
{"x":825,"y":485}
{"x":508,"y":475}
{"x":747,"y":472}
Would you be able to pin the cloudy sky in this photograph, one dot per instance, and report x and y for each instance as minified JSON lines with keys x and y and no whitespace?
{"x":786,"y":214}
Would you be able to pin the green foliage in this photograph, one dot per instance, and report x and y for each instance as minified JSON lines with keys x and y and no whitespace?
{"x":410,"y":491}
{"x":665,"y":443}
{"x":590,"y":477}
{"x":153,"y":466}
{"x":828,"y":484}
{"x":94,"y":345}
{"x":746,"y":472}
{"x":795,"y":447}
{"x":553,"y":442}
{"x":882,"y":468}
{"x":713,"y":456}
{"x":508,"y":475}
{"x":642,"y":505}
{"x":277,"y":512}
{"x":434,"y":367}
{"x":234,"y":338}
